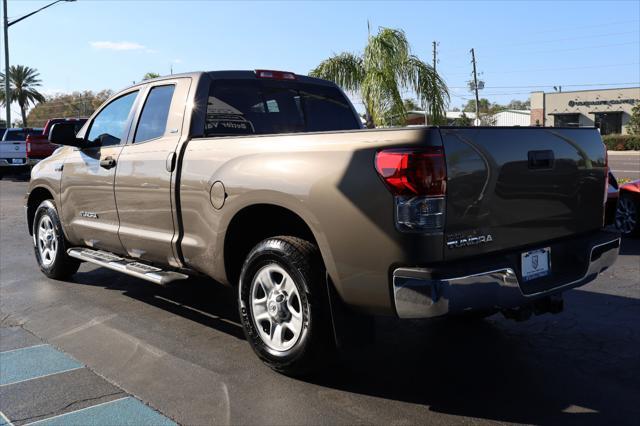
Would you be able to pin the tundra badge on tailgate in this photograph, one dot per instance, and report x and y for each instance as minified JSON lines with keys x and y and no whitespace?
{"x":460,"y":239}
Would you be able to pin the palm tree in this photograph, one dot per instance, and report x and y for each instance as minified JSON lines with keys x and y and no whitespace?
{"x":23,"y":82}
{"x":381,"y":73}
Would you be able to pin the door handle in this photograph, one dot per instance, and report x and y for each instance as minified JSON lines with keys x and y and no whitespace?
{"x":170,"y":163}
{"x":108,"y":163}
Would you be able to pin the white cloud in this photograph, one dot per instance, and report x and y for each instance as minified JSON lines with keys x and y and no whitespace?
{"x":116,"y":45}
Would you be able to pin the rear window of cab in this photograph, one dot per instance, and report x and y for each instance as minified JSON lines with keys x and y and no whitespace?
{"x":248,"y":107}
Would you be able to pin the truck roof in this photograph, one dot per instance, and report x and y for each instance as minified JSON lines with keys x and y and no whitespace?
{"x":236,"y":75}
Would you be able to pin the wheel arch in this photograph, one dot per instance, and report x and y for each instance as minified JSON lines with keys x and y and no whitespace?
{"x":36,"y":196}
{"x":254,"y":223}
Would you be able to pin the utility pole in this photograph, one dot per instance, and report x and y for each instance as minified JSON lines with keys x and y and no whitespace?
{"x":7,"y":90}
{"x":475,"y":86}
{"x":435,"y":60}
{"x":435,"y":53}
{"x":6,"y":25}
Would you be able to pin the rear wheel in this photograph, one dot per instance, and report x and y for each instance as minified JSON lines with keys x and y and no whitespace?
{"x":50,"y":245}
{"x":627,"y":215}
{"x":283,"y":305}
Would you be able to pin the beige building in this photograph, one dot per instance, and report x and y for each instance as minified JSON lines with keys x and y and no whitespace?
{"x":607,"y":109}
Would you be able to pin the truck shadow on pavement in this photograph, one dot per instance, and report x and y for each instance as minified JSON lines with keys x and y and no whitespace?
{"x":195,"y":299}
{"x":579,"y":367}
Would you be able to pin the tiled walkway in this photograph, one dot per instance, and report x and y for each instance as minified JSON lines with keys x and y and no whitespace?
{"x":40,"y":385}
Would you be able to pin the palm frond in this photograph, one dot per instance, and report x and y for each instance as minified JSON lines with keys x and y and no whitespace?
{"x":430,"y":88}
{"x":345,"y":69}
{"x":386,"y":50}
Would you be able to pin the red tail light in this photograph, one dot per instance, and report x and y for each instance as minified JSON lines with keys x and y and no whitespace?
{"x":418,"y":180}
{"x":28,"y":145}
{"x":413,"y":171}
{"x":275,"y":75}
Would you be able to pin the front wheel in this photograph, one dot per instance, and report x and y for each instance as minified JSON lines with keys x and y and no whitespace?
{"x":283,"y":305}
{"x":628,"y":215}
{"x":50,"y":244}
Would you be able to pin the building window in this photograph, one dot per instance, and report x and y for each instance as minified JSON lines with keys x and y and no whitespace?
{"x":608,"y":122}
{"x":566,"y":120}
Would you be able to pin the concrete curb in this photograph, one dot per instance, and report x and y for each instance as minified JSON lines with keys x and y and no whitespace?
{"x":628,"y":153}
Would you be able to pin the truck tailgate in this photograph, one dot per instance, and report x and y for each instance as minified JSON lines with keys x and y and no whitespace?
{"x":517,"y":187}
{"x":10,"y":150}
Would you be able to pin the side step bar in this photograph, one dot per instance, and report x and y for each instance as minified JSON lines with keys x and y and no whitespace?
{"x":126,"y":266}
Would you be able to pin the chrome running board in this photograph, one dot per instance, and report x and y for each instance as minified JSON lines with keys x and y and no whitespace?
{"x":131,"y":267}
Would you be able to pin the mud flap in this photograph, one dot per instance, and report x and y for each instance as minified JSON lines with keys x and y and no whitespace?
{"x":351,"y":329}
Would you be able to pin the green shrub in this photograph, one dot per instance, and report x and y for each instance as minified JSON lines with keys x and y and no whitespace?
{"x":622,"y":142}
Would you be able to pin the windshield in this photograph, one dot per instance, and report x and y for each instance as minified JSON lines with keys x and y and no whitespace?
{"x":244,"y":107}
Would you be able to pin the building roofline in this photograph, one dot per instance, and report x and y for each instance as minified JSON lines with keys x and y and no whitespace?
{"x":586,"y":90}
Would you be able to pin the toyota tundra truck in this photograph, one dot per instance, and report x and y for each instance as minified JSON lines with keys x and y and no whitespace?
{"x":266,"y":182}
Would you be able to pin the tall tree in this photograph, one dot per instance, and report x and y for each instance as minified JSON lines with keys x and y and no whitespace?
{"x":520,"y":105}
{"x":23,"y":82}
{"x":634,"y":121}
{"x":381,"y":73}
{"x":411,"y":105}
{"x":76,"y":104}
{"x":150,"y":75}
{"x":484,"y":106}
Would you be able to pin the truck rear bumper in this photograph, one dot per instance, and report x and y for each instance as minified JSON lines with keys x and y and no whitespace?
{"x":424,"y":293}
{"x":7,"y":162}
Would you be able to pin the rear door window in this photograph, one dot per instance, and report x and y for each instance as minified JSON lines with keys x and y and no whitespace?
{"x":153,"y":120}
{"x":246,"y":107}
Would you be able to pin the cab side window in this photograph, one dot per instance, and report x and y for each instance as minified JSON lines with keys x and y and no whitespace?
{"x":153,"y":120}
{"x":108,"y":127}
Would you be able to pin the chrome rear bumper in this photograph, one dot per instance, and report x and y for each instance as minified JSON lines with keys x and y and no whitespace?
{"x":417,"y":295}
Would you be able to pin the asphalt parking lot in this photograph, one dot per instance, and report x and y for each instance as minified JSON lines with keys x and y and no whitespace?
{"x":178,"y":353}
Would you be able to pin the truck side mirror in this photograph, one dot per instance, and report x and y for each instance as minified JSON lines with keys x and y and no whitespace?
{"x":65,"y":134}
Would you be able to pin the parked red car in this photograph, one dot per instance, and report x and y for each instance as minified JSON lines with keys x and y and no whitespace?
{"x":628,"y":212}
{"x":39,"y":147}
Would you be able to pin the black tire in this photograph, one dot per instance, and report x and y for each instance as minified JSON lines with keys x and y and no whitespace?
{"x":628,"y":215}
{"x":58,"y":266}
{"x":301,"y":260}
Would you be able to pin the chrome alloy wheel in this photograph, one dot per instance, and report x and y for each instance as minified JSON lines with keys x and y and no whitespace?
{"x":47,"y":241}
{"x":276,"y":307}
{"x":626,"y":215}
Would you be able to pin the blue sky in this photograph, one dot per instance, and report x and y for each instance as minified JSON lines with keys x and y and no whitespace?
{"x":98,"y":44}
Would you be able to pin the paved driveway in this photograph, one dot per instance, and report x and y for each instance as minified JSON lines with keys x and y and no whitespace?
{"x":181,"y":351}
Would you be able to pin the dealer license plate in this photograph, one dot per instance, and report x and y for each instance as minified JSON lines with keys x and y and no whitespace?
{"x":535,"y":264}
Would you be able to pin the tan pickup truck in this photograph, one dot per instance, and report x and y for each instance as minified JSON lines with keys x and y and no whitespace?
{"x":265,"y":181}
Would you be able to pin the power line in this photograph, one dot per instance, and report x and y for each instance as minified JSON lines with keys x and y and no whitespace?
{"x":494,"y":45}
{"x":551,"y":85}
{"x":554,"y":69}
{"x":590,"y":47}
{"x":557,"y":30}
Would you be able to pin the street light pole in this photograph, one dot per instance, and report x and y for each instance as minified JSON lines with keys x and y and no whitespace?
{"x":6,"y":25}
{"x":7,"y":90}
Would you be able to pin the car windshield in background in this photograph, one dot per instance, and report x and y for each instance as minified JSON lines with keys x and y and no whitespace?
{"x":20,"y":135}
{"x":245,"y":107}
